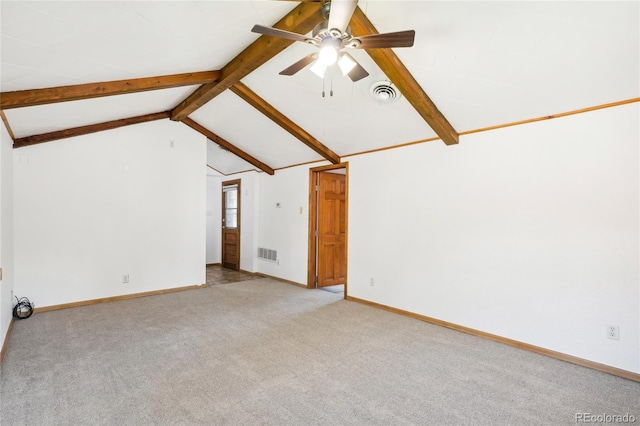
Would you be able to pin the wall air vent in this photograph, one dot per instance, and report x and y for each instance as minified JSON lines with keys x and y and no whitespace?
{"x":267,"y":254}
{"x":384,"y":91}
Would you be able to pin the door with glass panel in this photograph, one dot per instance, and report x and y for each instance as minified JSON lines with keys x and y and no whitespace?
{"x":231,"y":224}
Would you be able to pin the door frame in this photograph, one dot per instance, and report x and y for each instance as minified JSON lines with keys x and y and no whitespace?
{"x":222,"y":224}
{"x":312,"y":261}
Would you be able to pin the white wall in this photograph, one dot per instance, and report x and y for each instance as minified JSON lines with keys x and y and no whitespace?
{"x":90,"y":209}
{"x":285,"y":228}
{"x":214,"y":219}
{"x":249,"y":186}
{"x":6,"y":231}
{"x":528,"y":232}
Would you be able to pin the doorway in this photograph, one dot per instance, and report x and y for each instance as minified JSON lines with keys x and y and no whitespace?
{"x":231,"y":224}
{"x":328,"y":214}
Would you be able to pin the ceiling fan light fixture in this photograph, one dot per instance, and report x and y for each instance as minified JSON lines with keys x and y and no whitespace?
{"x":318,"y":68}
{"x":328,"y":55}
{"x":346,"y":64}
{"x":329,"y":51}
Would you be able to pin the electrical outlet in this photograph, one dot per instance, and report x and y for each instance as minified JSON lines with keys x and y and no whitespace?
{"x":613,"y":332}
{"x":372,"y":282}
{"x":125,"y":279}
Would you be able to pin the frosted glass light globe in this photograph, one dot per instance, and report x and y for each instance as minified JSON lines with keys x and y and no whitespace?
{"x":328,"y":55}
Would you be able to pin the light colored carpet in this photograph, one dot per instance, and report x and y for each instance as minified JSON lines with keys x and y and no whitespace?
{"x":265,"y":352}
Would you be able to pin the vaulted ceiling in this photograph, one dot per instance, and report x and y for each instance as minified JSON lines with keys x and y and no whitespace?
{"x":74,"y":67}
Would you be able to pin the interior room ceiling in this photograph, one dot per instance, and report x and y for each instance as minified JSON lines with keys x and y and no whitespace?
{"x":481,"y":63}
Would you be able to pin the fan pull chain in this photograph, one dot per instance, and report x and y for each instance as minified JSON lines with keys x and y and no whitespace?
{"x":330,"y":87}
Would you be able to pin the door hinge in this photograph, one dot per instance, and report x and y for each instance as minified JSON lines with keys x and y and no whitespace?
{"x":316,"y":232}
{"x":317,"y":187}
{"x":316,"y":280}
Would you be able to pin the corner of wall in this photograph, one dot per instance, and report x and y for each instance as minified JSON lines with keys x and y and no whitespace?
{"x":6,"y":234}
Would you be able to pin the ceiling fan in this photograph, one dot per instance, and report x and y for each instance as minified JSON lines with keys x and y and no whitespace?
{"x":331,"y":36}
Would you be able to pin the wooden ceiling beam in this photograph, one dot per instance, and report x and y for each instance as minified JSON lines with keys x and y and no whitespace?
{"x":227,"y":145}
{"x":85,"y":130}
{"x":395,"y":70}
{"x":300,"y":20}
{"x":6,"y":125}
{"x":277,"y":117}
{"x":27,"y":98}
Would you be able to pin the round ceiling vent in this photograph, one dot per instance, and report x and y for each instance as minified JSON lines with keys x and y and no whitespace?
{"x":384,"y":91}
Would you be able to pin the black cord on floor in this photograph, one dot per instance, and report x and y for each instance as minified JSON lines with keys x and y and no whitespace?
{"x":23,"y":309}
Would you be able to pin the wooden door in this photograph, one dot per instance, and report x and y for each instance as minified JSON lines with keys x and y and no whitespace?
{"x":332,"y":218}
{"x":231,"y":224}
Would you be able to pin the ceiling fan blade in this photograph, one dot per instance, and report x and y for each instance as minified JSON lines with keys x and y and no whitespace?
{"x":340,"y":13}
{"x":292,"y":69}
{"x":269,"y":31}
{"x":386,"y":40}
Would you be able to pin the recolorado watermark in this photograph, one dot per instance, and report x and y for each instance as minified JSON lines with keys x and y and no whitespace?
{"x":605,"y":418}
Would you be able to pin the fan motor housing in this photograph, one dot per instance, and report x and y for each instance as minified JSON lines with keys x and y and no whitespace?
{"x":322,"y":31}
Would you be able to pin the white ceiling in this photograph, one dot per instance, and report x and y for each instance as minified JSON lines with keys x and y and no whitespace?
{"x":482,"y":63}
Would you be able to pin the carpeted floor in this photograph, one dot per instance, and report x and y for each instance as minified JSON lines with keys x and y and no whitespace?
{"x":265,"y":352}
